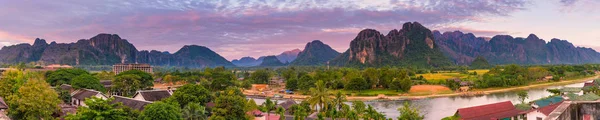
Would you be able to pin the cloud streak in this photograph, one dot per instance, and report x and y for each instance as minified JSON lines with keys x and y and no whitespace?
{"x":236,"y":28}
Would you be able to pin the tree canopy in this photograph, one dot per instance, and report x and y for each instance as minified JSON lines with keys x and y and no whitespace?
{"x":161,"y":111}
{"x":87,"y":81}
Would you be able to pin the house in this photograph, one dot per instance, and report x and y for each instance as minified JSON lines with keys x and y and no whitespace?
{"x":3,"y":105}
{"x":66,"y":109}
{"x":575,"y":90}
{"x":495,"y":111}
{"x":67,"y":87}
{"x":131,"y":103}
{"x":82,"y":94}
{"x":548,"y":101}
{"x":287,"y":105}
{"x":542,"y":112}
{"x":152,"y":95}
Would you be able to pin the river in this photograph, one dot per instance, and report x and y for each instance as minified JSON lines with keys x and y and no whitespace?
{"x":438,"y":108}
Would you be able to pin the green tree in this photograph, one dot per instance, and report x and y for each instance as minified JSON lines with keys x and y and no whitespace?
{"x":357,"y":84}
{"x":87,"y":81}
{"x":281,"y":112}
{"x":291,"y":84}
{"x":161,"y":111}
{"x":145,"y":80}
{"x":191,"y":93}
{"x":11,"y":81}
{"x":359,"y":107}
{"x":98,"y":109}
{"x":63,"y":76}
{"x":319,"y":95}
{"x":193,"y":111}
{"x":128,"y":84}
{"x":409,"y":113}
{"x":230,"y":105}
{"x":269,"y":106}
{"x":306,"y":82}
{"x":105,"y":75}
{"x":300,"y":113}
{"x":260,"y":76}
{"x":34,"y":100}
{"x":339,"y":100}
{"x":522,"y":96}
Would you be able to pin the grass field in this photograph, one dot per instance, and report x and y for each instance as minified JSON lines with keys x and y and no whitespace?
{"x":434,"y":77}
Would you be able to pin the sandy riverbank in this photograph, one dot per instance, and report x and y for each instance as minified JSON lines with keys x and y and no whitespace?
{"x":485,"y":91}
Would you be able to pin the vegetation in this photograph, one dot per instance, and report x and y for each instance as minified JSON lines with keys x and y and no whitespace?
{"x":409,"y":113}
{"x":34,"y":100}
{"x":87,"y":81}
{"x":63,"y":76}
{"x":229,"y":105}
{"x":103,"y":109}
{"x":191,"y":93}
{"x":161,"y":111}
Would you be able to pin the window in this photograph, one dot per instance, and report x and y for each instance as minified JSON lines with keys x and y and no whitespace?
{"x":538,"y":118}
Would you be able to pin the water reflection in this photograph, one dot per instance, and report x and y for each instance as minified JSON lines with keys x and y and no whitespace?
{"x":438,"y":108}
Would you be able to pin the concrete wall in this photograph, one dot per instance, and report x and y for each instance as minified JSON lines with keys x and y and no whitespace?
{"x":576,"y":110}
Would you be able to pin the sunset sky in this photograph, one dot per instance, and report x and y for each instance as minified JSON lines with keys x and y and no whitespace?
{"x":237,"y":28}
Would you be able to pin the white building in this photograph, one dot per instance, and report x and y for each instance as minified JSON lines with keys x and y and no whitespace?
{"x":79,"y":96}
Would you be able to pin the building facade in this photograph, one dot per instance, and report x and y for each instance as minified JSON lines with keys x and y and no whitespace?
{"x":118,"y":68}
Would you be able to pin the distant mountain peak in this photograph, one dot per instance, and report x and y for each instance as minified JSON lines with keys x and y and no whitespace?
{"x":315,"y":53}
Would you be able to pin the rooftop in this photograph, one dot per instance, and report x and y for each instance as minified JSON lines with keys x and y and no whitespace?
{"x":490,"y":111}
{"x":548,"y":101}
{"x":132,"y":103}
{"x":3,"y":104}
{"x":85,"y":93}
{"x":153,"y":95}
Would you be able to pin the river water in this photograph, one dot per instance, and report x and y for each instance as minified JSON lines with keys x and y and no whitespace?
{"x":438,"y":108}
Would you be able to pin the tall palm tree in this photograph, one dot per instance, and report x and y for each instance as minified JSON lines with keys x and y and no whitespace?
{"x":193,"y":111}
{"x":339,"y":100}
{"x":281,"y":113}
{"x":352,"y":115}
{"x":319,"y":95}
{"x":269,"y":106}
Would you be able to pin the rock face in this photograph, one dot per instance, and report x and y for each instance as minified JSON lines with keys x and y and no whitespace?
{"x":269,"y":61}
{"x":413,"y":45}
{"x":288,"y":56}
{"x":503,"y":49}
{"x":315,"y":53}
{"x":108,"y":49}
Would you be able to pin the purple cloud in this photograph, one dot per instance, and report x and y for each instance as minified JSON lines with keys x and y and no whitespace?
{"x":234,"y":28}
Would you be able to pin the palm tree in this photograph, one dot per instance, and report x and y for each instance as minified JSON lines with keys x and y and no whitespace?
{"x":339,"y":100}
{"x":281,"y":113}
{"x":352,"y":115}
{"x":409,"y":113}
{"x":319,"y":95}
{"x":193,"y":111}
{"x":300,"y":113}
{"x":269,"y":106}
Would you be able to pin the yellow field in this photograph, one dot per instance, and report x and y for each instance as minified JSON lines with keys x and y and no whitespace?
{"x":448,"y":75}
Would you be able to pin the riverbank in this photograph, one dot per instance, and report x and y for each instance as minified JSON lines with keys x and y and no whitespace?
{"x":484,"y":91}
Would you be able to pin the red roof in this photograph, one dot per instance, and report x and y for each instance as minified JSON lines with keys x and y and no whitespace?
{"x":490,"y":111}
{"x":588,"y":84}
{"x":548,"y":109}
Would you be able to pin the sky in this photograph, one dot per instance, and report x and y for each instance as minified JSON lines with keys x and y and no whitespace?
{"x":238,"y":28}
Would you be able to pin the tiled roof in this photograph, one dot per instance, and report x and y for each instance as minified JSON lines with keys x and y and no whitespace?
{"x":132,"y":103}
{"x":106,"y":83}
{"x":3,"y":104}
{"x":587,"y":97}
{"x":287,"y":104}
{"x":548,"y":101}
{"x":85,"y":93}
{"x":486,"y":112}
{"x":548,"y":109}
{"x":154,"y":95}
{"x":66,"y":87}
